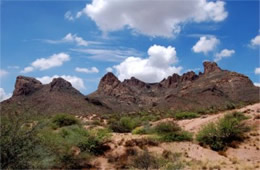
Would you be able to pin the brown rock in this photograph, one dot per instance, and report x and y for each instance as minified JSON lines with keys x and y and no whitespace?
{"x":26,"y":86}
{"x":210,"y":67}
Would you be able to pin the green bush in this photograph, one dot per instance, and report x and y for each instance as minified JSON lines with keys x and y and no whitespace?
{"x":228,"y":129}
{"x":176,"y":136}
{"x":186,"y":115}
{"x":166,"y":127}
{"x":61,"y":120}
{"x":168,"y":132}
{"x":19,"y":142}
{"x":125,"y":124}
{"x":146,"y":129}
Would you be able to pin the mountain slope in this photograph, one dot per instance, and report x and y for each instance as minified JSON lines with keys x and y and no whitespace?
{"x":30,"y":95}
{"x":213,"y":89}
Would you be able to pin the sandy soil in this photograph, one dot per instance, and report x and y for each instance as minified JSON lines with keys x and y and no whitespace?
{"x":245,"y":156}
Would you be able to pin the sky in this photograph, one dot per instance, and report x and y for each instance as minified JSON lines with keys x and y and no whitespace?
{"x":81,"y":41}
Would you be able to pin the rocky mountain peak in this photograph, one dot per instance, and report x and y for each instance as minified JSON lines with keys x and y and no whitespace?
{"x":58,"y":84}
{"x":189,"y":76}
{"x":134,"y":82}
{"x":210,"y":67}
{"x":26,"y":85}
{"x":108,"y":82}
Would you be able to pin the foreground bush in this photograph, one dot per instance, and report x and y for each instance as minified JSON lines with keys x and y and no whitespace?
{"x":19,"y":143}
{"x":186,"y":115}
{"x":61,"y":120}
{"x":221,"y":134}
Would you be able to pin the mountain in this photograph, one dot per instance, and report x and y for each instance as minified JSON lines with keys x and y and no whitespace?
{"x":30,"y":95}
{"x":213,"y":89}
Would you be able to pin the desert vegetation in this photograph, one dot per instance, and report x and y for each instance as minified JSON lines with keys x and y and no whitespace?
{"x":64,"y":141}
{"x":56,"y":142}
{"x":224,"y":132}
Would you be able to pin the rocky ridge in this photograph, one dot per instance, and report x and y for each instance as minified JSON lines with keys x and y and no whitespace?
{"x":213,"y":89}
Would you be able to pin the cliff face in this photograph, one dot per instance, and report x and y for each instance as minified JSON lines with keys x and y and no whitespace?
{"x":214,"y":87}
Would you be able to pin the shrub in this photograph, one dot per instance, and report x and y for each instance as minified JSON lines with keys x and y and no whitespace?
{"x":61,"y":120}
{"x":145,"y":129}
{"x":18,"y":142}
{"x":168,"y":132}
{"x":221,"y":134}
{"x":166,"y":127}
{"x":125,"y":124}
{"x":186,"y":115}
{"x":145,"y":161}
{"x":176,"y":136}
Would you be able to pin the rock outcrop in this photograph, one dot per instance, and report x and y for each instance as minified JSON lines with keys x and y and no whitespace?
{"x":214,"y":87}
{"x":26,"y":86}
{"x":210,"y":67}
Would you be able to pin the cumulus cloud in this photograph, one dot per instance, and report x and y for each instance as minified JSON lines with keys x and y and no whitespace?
{"x":257,"y":84}
{"x":70,"y":38}
{"x":4,"y":95}
{"x":205,"y":44}
{"x":76,"y":82}
{"x":255,"y":41}
{"x":55,"y":60}
{"x":3,"y":73}
{"x":68,"y":15}
{"x":224,"y":54}
{"x":152,"y":18}
{"x":86,"y":70}
{"x":157,"y":66}
{"x":109,"y":69}
{"x":257,"y":70}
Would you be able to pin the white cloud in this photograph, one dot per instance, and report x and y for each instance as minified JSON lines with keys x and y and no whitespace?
{"x":27,"y":69}
{"x":55,"y":60}
{"x":76,"y":82}
{"x":86,"y":70}
{"x":224,"y":54}
{"x":205,"y":44}
{"x":257,"y":70}
{"x":152,"y":18}
{"x":3,"y":73}
{"x":157,"y":66}
{"x":68,"y":15}
{"x":257,"y":84}
{"x":108,"y":54}
{"x":109,"y":69}
{"x":3,"y":95}
{"x":71,"y":38}
{"x":13,"y":67}
{"x":255,"y":41}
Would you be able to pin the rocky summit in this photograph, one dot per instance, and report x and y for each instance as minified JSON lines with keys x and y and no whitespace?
{"x":213,"y":89}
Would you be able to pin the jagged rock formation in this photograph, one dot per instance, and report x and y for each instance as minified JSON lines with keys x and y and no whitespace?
{"x":30,"y":95}
{"x":214,"y":88}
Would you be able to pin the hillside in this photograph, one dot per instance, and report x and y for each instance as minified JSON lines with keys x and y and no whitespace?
{"x":214,"y":89}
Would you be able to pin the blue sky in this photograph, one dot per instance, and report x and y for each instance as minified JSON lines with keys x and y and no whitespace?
{"x":82,"y":40}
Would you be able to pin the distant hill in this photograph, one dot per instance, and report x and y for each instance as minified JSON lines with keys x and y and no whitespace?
{"x":213,"y":89}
